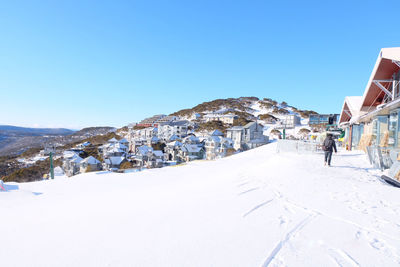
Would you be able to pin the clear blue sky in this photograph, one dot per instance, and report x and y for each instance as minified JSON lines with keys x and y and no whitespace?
{"x":90,"y":63}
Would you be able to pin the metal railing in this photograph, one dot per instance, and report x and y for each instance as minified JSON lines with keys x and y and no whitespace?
{"x":298,"y":146}
{"x":382,"y":157}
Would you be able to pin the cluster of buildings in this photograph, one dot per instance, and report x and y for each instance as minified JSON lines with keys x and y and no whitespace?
{"x":372,"y":119}
{"x":165,"y":140}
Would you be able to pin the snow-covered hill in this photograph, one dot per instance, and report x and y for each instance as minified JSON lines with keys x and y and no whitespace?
{"x":256,"y":208}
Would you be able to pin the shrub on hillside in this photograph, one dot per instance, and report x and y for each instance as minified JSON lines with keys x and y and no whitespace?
{"x":304,"y":131}
{"x":241,"y":122}
{"x":280,"y":111}
{"x":266,"y":105}
{"x":33,"y":173}
{"x":275,"y":132}
{"x":213,"y":125}
{"x":126,"y":165}
{"x":268,"y":118}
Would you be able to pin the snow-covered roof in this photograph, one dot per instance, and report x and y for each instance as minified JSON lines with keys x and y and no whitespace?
{"x":90,"y":160}
{"x":385,"y":65}
{"x":218,"y":115}
{"x":236,"y":128}
{"x":114,"y":160}
{"x":191,"y":148}
{"x":123,"y":140}
{"x":158,"y":153}
{"x":75,"y":159}
{"x":217,"y":133}
{"x":58,"y":171}
{"x":155,"y":139}
{"x":179,"y":123}
{"x":115,"y":149}
{"x":143,"y":150}
{"x":174,"y":144}
{"x":173,"y":138}
{"x":69,"y":154}
{"x":214,"y":138}
{"x":249,"y":124}
{"x":351,"y":108}
{"x":121,"y":146}
{"x":113,"y":140}
{"x":192,"y":138}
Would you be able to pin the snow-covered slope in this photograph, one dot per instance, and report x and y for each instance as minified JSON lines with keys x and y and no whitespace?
{"x":256,"y":208}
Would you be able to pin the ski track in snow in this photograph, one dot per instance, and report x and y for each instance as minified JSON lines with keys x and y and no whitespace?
{"x":287,"y":238}
{"x":257,"y":207}
{"x":355,"y":200}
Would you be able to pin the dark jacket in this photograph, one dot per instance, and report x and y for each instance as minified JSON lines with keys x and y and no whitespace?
{"x":329,"y":144}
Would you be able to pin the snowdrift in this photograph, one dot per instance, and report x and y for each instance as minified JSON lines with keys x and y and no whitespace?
{"x":256,"y":208}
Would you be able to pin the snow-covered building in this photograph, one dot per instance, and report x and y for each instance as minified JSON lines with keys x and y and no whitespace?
{"x":114,"y":153}
{"x":217,"y":147}
{"x":90,"y":164}
{"x":172,"y":151}
{"x":195,"y":116}
{"x":124,"y":142}
{"x":321,"y":120}
{"x":373,"y":119}
{"x":225,"y":118}
{"x":71,"y":163}
{"x":289,"y":121}
{"x":84,"y":145}
{"x":248,"y":136}
{"x":114,"y":163}
{"x":217,"y":133}
{"x":189,"y":152}
{"x":47,"y":150}
{"x":167,"y":119}
{"x":152,"y":121}
{"x":349,"y":114}
{"x":191,"y":139}
{"x":141,"y":137}
{"x":146,"y":156}
{"x":175,"y":128}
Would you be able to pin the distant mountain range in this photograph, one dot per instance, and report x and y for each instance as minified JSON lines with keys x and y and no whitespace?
{"x":15,"y":140}
{"x":15,"y":130}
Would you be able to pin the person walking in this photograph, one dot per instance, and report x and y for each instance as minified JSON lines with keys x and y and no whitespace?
{"x":328,"y":146}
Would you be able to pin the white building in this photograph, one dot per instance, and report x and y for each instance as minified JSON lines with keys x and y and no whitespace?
{"x":248,"y":136}
{"x":177,"y":128}
{"x":90,"y":164}
{"x":225,"y":118}
{"x":289,"y":121}
{"x":217,"y":146}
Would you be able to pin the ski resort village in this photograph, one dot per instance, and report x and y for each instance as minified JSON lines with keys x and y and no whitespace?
{"x":199,"y":134}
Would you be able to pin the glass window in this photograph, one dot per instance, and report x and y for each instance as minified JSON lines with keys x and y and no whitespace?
{"x":324,"y":119}
{"x":383,"y":130}
{"x":393,"y":121}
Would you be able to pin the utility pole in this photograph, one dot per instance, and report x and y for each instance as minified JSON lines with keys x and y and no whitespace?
{"x":51,"y":166}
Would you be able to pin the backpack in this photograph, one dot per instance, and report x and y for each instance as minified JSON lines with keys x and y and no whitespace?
{"x":327,"y":145}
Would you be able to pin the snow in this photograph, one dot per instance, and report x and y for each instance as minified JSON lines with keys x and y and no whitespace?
{"x":217,"y":133}
{"x":90,"y":160}
{"x":143,"y":150}
{"x":114,"y":160}
{"x":191,"y":148}
{"x":158,"y":153}
{"x":123,"y":140}
{"x":255,"y":208}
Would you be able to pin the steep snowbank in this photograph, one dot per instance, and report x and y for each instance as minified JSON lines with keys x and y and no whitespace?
{"x":257,"y":208}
